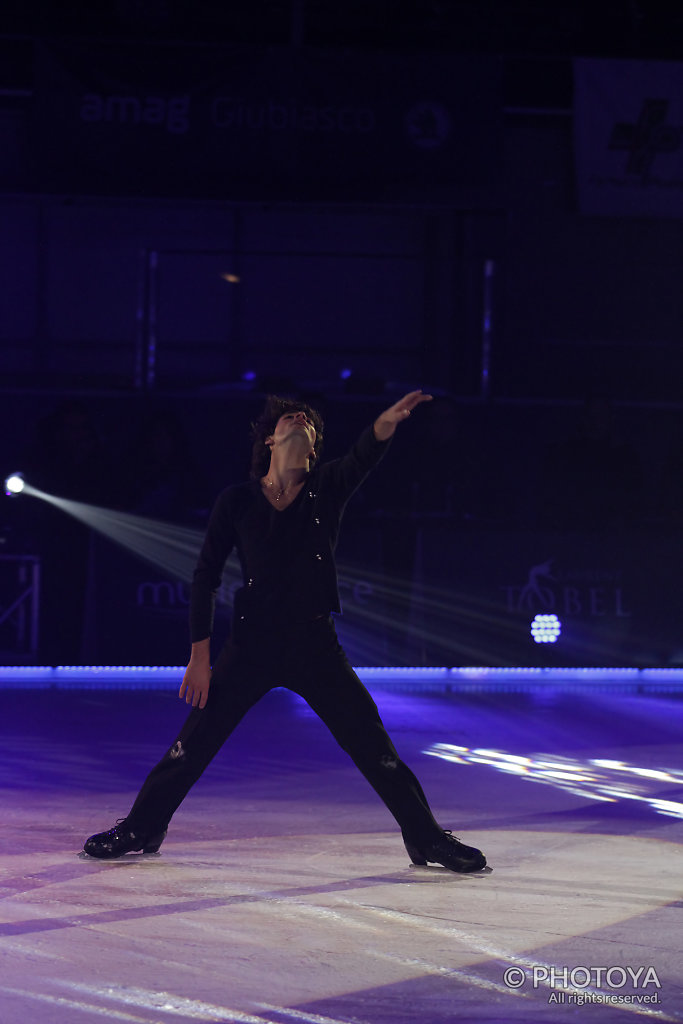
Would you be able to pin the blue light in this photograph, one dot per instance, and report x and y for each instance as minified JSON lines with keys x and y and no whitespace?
{"x":345,"y":374}
{"x":249,"y":375}
{"x":545,"y":629}
{"x":466,"y":679}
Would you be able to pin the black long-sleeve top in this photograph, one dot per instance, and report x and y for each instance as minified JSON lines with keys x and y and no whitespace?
{"x":286,"y":556}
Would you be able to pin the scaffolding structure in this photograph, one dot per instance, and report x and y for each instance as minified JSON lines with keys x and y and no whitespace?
{"x":19,"y":605}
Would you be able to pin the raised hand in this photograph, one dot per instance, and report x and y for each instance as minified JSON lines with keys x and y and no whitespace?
{"x":386,"y":422}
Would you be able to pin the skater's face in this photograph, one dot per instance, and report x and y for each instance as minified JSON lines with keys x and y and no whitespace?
{"x":292,"y":425}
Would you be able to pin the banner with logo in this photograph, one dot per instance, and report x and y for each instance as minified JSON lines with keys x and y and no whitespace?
{"x":599,"y":599}
{"x":450,"y":597}
{"x":628,"y":137}
{"x":238,"y":122}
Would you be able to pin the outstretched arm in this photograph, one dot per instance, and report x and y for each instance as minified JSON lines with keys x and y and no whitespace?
{"x":386,"y":422}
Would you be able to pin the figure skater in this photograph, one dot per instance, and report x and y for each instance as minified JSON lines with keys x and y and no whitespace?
{"x":283,"y":525}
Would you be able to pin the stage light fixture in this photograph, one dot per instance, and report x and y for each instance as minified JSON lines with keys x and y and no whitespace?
{"x":14,"y":484}
{"x":545,"y":629}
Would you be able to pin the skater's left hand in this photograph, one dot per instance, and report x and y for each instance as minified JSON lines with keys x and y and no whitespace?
{"x":386,"y":422}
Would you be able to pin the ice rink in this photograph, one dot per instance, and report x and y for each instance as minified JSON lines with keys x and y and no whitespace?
{"x":283,"y":892}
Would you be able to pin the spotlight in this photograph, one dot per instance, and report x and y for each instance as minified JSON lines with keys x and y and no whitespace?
{"x":545,"y":629}
{"x":14,"y":484}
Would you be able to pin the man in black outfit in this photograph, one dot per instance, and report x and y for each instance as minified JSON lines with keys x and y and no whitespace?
{"x":284,"y":524}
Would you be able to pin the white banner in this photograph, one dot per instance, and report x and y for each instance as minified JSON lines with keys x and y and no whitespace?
{"x":628,"y":137}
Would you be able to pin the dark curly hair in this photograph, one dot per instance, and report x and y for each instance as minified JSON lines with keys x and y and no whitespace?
{"x":264,"y":426}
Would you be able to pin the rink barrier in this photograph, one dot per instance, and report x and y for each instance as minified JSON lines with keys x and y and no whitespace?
{"x":413,"y":680}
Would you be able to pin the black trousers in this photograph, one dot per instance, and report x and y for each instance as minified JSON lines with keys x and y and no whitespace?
{"x":309,"y":660}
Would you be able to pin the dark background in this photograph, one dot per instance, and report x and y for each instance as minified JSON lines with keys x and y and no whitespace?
{"x":368,"y":257}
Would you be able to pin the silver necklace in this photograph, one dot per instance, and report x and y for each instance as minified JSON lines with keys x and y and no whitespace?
{"x":281,"y":492}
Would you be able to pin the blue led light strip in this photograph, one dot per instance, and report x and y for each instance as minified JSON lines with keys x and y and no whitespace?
{"x":447,"y":680}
